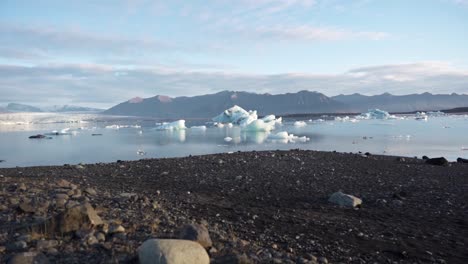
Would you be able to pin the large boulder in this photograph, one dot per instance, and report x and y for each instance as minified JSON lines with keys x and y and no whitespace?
{"x":343,"y":199}
{"x":197,"y":233}
{"x":172,"y":251}
{"x":462,"y":160}
{"x":82,"y":216}
{"x":437,"y":161}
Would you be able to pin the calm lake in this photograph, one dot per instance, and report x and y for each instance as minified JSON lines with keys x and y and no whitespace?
{"x":97,"y":138}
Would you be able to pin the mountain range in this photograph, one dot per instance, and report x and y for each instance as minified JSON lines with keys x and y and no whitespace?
{"x":15,"y":107}
{"x":209,"y":105}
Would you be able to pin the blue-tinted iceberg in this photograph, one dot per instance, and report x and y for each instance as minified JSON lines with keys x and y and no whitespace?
{"x":376,"y":114}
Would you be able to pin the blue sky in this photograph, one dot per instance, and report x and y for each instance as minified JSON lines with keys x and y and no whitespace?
{"x":99,"y":53}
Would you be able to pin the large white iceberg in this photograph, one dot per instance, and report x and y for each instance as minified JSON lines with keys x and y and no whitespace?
{"x":376,"y":114}
{"x":247,"y":120}
{"x":176,"y":125}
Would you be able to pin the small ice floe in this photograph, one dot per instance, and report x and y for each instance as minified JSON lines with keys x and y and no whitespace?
{"x":140,"y":132}
{"x":116,"y":127}
{"x":342,"y":119}
{"x":200,"y":128}
{"x":228,"y":139}
{"x":420,"y":116}
{"x":376,"y":114}
{"x":176,"y":125}
{"x":64,"y":131}
{"x":436,"y":113}
{"x":300,"y":124}
{"x":285,"y":137}
{"x":141,"y":152}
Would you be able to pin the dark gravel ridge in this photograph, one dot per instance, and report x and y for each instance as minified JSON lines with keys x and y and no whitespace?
{"x":270,"y":205}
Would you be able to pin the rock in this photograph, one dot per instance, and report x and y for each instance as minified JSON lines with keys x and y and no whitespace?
{"x":29,"y":258}
{"x":17,"y":246}
{"x":101,"y":237}
{"x":425,"y":157}
{"x":461,"y":160}
{"x":46,"y":244}
{"x":323,"y":260}
{"x":198,"y":233}
{"x":344,"y":200}
{"x":91,"y":240}
{"x":60,"y":196}
{"x":39,"y":136}
{"x":437,"y":161}
{"x":36,"y":205}
{"x":73,"y":219}
{"x":62,"y":183}
{"x":22,"y":187}
{"x":172,"y":251}
{"x":90,"y":191}
{"x":114,"y":229}
{"x":26,"y":207}
{"x":400,"y":159}
{"x":233,"y":259}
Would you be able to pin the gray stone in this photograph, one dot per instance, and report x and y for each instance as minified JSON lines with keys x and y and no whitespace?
{"x":17,"y":246}
{"x":114,"y":228}
{"x":346,"y":200}
{"x":172,"y":251}
{"x":63,"y":183}
{"x":46,"y":244}
{"x":75,"y":218}
{"x":198,"y":233}
{"x":90,"y":191}
{"x":29,"y":258}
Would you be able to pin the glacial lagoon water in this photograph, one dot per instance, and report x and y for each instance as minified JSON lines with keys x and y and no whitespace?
{"x":137,"y":138}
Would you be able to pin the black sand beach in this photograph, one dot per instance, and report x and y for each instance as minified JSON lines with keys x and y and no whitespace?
{"x":259,"y":207}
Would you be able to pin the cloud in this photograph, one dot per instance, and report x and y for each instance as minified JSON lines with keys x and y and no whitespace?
{"x":103,"y":85}
{"x":311,"y":33}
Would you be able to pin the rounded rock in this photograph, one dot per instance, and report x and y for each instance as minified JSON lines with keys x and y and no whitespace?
{"x":172,"y":251}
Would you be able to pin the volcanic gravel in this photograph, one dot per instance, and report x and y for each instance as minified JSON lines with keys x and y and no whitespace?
{"x":269,"y":206}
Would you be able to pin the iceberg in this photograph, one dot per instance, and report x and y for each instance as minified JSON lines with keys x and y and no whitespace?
{"x":376,"y":114}
{"x":259,"y":125}
{"x":421,"y":116}
{"x":176,"y":125}
{"x":435,"y":113}
{"x":247,"y":120}
{"x":228,"y":139}
{"x":285,"y":137}
{"x":198,"y":128}
{"x":300,"y":124}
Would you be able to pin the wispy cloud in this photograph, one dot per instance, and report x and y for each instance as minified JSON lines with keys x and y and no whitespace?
{"x":104,"y":85}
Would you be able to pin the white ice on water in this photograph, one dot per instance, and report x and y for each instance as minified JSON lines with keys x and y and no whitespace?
{"x":300,"y":124}
{"x":436,"y":113}
{"x":176,"y":125}
{"x":421,"y":116}
{"x":376,"y":114}
{"x":198,"y":128}
{"x":284,"y":136}
{"x":228,"y":139}
{"x":247,"y":120}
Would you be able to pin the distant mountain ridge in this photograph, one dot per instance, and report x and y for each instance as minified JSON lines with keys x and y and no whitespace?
{"x":403,"y":103}
{"x":15,"y":107}
{"x":209,"y":105}
{"x":206,"y":106}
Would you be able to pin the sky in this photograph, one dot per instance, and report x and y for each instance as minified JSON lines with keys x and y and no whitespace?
{"x":100,"y":53}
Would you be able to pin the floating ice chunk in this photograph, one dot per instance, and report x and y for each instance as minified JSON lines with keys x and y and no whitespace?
{"x":436,"y":113}
{"x":198,"y":128}
{"x":247,"y":120}
{"x":176,"y":125}
{"x":141,"y":152}
{"x":342,"y":119}
{"x":300,"y":124}
{"x":279,"y":120}
{"x":269,"y":118}
{"x":421,"y":116}
{"x":228,"y":139}
{"x":220,"y":125}
{"x":376,"y":114}
{"x":236,"y":115}
{"x":259,"y":125}
{"x":285,"y":137}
